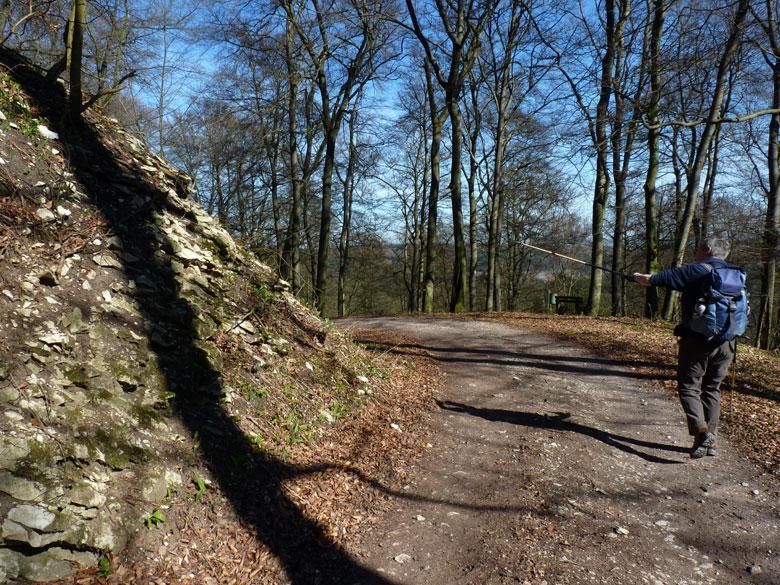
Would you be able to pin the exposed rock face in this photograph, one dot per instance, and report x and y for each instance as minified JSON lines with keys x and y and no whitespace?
{"x":87,"y":437}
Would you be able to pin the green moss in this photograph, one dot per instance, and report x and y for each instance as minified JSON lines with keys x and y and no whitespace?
{"x":145,"y":415}
{"x":118,"y":369}
{"x":117,"y":451}
{"x":34,"y":465}
{"x":77,"y":376}
{"x":262,"y":292}
{"x":211,"y":246}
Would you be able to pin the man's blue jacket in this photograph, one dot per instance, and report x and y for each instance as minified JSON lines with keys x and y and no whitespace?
{"x":686,"y":279}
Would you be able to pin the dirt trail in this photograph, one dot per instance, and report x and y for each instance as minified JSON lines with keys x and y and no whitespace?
{"x":549,"y":465}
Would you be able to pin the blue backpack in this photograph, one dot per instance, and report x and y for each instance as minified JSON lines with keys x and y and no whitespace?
{"x":721,"y":312}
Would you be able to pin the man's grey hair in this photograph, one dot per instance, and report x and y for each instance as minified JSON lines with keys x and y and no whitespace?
{"x":718,"y":247}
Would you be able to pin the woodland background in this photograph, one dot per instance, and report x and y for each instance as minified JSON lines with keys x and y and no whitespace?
{"x":390,"y":156}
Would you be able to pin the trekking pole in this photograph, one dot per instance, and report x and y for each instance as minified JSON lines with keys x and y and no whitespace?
{"x":733,"y":383}
{"x":577,"y":260}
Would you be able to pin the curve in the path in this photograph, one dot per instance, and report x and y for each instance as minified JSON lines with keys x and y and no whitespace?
{"x":548,"y":464}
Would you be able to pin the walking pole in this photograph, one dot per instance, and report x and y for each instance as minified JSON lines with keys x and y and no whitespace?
{"x":733,"y":383}
{"x":577,"y":260}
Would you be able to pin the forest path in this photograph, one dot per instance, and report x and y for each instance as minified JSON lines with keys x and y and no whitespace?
{"x":547,"y":464}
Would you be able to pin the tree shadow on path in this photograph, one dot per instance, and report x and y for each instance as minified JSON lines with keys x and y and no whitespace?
{"x":252,"y":482}
{"x":513,"y":359}
{"x":560,"y":422}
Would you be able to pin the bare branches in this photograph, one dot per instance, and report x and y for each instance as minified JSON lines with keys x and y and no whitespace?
{"x":721,"y":120}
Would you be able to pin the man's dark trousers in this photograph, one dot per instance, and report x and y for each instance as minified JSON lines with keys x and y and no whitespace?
{"x":701,"y":367}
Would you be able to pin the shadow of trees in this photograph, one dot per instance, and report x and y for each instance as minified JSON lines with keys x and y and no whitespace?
{"x":560,"y":422}
{"x":490,"y":356}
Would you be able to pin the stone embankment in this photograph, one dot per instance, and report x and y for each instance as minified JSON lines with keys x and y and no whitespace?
{"x":108,"y":272}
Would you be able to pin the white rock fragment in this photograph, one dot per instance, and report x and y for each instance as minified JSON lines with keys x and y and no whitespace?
{"x":2,"y":117}
{"x":45,"y":214}
{"x":622,"y":531}
{"x":395,"y":426}
{"x":420,"y":518}
{"x":63,"y":211}
{"x":106,"y":260}
{"x":54,"y":339}
{"x":46,"y":133}
{"x":402,"y":558}
{"x":362,"y":379}
{"x":309,"y":367}
{"x":8,"y":294}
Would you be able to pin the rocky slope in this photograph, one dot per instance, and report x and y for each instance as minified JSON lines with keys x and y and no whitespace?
{"x":142,"y":352}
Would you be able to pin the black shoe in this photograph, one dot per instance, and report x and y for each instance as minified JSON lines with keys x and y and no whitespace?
{"x":701,"y":444}
{"x":712,"y":452}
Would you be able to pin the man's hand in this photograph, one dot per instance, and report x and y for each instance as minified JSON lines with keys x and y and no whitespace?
{"x":643,"y":279}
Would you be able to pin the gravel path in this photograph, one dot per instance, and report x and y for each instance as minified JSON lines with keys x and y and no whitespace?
{"x":549,"y":465}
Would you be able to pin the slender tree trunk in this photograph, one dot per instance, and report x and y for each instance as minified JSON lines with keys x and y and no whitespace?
{"x":326,"y":214}
{"x":459,"y":272}
{"x":620,"y":167}
{"x":349,"y":186}
{"x":77,"y":47}
{"x":497,"y":291}
{"x":670,"y":296}
{"x":5,"y":11}
{"x":712,"y":169}
{"x":652,"y":262}
{"x":494,"y":225}
{"x":694,"y":176}
{"x":437,"y":123}
{"x":291,"y":263}
{"x":473,"y":134}
{"x":161,"y":96}
{"x":766,"y":334}
{"x":601,"y":188}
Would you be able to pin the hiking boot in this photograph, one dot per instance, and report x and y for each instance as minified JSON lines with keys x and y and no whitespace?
{"x":712,"y":452}
{"x":703,"y":442}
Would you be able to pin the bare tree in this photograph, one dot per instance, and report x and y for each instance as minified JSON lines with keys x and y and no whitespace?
{"x":462,"y":23}
{"x":766,"y":328}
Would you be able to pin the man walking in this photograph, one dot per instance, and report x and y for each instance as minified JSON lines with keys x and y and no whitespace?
{"x":704,"y":356}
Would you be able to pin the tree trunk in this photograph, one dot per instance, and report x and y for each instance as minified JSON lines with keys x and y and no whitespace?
{"x":766,"y":334}
{"x":76,"y":49}
{"x":694,"y":176}
{"x":601,"y":187}
{"x":349,"y":186}
{"x":494,"y":224}
{"x":437,"y":122}
{"x":326,"y":214}
{"x":670,"y":296}
{"x":291,"y":263}
{"x":473,"y":134}
{"x":459,"y":271}
{"x":620,"y":167}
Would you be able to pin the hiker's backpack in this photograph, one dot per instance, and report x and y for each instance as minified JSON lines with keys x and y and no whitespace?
{"x":722,"y":309}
